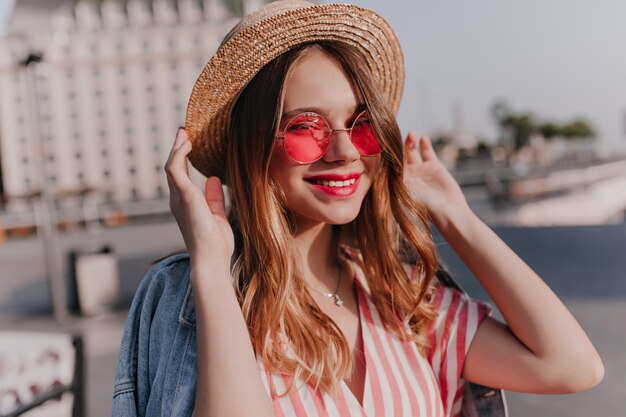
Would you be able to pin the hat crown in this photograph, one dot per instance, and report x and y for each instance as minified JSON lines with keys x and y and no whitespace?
{"x":266,"y":34}
{"x":269,"y":10}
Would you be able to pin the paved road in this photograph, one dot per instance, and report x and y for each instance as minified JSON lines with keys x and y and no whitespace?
{"x":585,"y":266}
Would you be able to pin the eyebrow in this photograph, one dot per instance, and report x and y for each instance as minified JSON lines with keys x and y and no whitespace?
{"x":319,"y":110}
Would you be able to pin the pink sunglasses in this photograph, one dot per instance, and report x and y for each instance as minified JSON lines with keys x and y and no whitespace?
{"x":306,"y":137}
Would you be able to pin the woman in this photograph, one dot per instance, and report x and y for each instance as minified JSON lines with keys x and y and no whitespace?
{"x":296,"y":113}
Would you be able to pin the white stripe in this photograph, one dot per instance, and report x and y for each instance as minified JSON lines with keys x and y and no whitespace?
{"x":368,"y":395}
{"x":472,"y":324}
{"x":406,"y":405}
{"x":285,"y":402}
{"x":414,"y":385}
{"x":264,"y":379}
{"x":354,"y":407}
{"x":452,"y":365}
{"x":331,"y":406}
{"x":431,"y":380}
{"x":307,"y":400}
{"x":439,"y":324}
{"x":385,"y":393}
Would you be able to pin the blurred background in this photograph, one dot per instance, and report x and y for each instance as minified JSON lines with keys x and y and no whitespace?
{"x":525,"y":103}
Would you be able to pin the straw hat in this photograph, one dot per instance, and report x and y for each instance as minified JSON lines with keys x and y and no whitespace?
{"x":266,"y":34}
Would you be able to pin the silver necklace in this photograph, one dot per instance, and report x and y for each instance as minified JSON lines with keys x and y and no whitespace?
{"x":334,"y":295}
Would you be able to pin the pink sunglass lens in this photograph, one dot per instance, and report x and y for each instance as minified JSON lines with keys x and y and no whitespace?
{"x":363,"y":137}
{"x":306,"y":138}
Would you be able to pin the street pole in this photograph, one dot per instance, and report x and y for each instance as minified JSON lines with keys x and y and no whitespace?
{"x":45,"y":209}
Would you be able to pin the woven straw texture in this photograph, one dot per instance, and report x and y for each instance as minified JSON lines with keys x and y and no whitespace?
{"x":266,"y":34}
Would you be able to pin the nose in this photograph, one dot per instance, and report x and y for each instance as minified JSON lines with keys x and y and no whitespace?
{"x":341,"y":148}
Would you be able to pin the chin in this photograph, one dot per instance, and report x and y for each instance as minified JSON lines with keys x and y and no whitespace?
{"x":339,"y":218}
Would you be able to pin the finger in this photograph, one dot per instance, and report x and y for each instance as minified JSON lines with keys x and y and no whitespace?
{"x":426,"y":149}
{"x":411,"y":150}
{"x":176,"y":165}
{"x":181,"y":135}
{"x":215,"y":196}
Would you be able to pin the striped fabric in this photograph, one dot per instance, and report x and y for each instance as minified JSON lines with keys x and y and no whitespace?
{"x":399,"y":381}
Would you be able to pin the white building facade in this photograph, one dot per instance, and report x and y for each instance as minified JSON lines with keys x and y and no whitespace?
{"x":96,"y":117}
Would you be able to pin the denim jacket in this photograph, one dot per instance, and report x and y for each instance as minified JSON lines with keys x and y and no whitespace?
{"x":157,"y":369}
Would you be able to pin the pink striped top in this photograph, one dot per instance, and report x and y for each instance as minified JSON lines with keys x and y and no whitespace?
{"x":399,"y":381}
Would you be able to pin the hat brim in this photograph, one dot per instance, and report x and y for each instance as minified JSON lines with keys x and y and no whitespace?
{"x":240,"y":58}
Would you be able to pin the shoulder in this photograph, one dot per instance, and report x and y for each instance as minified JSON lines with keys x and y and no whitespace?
{"x":158,"y":344}
{"x":165,"y":277}
{"x":165,"y":292}
{"x":166,"y":269}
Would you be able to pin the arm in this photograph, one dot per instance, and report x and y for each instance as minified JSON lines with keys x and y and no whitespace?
{"x":227,"y":368}
{"x":542,"y":348}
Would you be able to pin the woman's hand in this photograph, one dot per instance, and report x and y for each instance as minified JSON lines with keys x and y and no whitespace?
{"x":201,"y":219}
{"x":430,"y":183}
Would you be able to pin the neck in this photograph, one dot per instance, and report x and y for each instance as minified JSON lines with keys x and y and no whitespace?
{"x":318,"y":255}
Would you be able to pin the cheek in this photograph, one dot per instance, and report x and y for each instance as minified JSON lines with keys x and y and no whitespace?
{"x":285,"y":173}
{"x":279,"y":162}
{"x":373,"y":164}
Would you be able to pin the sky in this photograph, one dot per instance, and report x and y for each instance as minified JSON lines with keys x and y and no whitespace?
{"x":6,"y":6}
{"x":558,"y":59}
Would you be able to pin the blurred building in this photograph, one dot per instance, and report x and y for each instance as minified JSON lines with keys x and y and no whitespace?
{"x":93,"y":119}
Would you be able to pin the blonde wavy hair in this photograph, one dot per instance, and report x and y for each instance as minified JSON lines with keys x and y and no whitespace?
{"x":288,"y":330}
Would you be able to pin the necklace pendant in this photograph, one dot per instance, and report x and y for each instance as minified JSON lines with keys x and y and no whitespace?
{"x":338,"y":300}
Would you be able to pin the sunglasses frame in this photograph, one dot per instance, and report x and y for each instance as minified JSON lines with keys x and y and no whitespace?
{"x":281,"y":135}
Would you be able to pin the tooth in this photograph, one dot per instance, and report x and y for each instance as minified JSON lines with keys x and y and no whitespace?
{"x":352,"y":181}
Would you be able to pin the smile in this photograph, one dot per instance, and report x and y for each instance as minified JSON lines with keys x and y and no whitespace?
{"x":344,"y":183}
{"x":335,"y":185}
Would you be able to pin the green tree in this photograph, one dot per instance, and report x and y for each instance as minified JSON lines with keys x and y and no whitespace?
{"x":549,"y":130}
{"x":515,"y":128}
{"x":577,"y":129}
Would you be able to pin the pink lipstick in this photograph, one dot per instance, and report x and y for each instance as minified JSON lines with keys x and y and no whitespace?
{"x":335,"y":184}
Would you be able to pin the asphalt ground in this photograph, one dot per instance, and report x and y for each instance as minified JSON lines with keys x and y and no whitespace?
{"x":584,"y":265}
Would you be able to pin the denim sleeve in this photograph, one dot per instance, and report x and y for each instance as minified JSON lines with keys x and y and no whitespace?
{"x":156,"y":371}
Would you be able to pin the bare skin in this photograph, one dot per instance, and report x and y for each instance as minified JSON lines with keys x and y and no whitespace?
{"x":540,"y":349}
